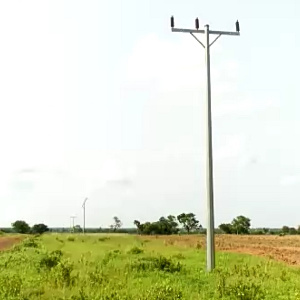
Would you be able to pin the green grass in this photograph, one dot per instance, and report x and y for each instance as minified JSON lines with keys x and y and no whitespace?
{"x":126,"y":267}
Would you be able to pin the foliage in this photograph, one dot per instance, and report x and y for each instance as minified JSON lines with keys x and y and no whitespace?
{"x":135,"y":250}
{"x":226,"y":228}
{"x":292,"y":230}
{"x":39,"y":229}
{"x":77,"y":228}
{"x":20,"y":227}
{"x":30,"y":243}
{"x":188,"y":221}
{"x":285,"y":229}
{"x":162,"y":226}
{"x":50,"y":260}
{"x":99,"y":269}
{"x":116,"y":225}
{"x":241,"y":225}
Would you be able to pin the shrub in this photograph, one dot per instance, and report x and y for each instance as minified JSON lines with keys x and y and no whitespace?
{"x":160,"y":263}
{"x":30,"y":243}
{"x":178,"y":256}
{"x":96,"y":276}
{"x":135,"y":250}
{"x":103,"y":239}
{"x":71,"y":238}
{"x":50,"y":260}
{"x":110,"y":256}
{"x":61,"y":274}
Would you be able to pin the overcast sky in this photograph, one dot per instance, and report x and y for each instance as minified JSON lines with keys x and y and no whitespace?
{"x":100,"y":100}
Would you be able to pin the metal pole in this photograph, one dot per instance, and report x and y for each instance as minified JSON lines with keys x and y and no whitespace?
{"x":83,"y":206}
{"x":73,"y":218}
{"x":210,"y":239}
{"x":83,"y":219}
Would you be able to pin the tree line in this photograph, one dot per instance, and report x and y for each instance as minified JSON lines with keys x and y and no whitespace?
{"x":169,"y":225}
{"x":185,"y":223}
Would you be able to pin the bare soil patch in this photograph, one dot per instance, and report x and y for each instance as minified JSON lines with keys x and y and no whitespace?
{"x":7,"y":242}
{"x":282,"y":248}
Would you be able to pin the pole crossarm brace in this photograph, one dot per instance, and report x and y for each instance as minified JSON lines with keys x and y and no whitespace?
{"x":197,"y":39}
{"x":215,"y":40}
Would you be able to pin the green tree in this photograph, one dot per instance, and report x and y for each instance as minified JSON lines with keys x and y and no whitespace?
{"x":20,"y":227}
{"x":292,"y":230}
{"x":188,"y":221}
{"x":117,"y":224}
{"x":164,"y":225}
{"x":39,"y":229}
{"x":266,"y":230}
{"x":167,"y":225}
{"x":285,"y":229}
{"x":241,"y":225}
{"x":226,"y":228}
{"x":77,"y":228}
{"x":139,"y":226}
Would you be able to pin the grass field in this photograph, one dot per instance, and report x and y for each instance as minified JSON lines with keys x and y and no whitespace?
{"x":131,"y":267}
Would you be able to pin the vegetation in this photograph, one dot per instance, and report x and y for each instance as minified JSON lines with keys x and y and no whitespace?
{"x":164,"y":226}
{"x":20,"y":227}
{"x":95,"y":267}
{"x":39,"y":229}
{"x":239,"y":225}
{"x":189,"y":222}
{"x":169,"y":225}
{"x":116,"y":225}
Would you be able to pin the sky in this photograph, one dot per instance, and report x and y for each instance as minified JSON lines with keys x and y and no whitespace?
{"x":100,"y":99}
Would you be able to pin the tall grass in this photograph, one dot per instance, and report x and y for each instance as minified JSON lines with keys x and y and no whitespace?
{"x":98,"y":267}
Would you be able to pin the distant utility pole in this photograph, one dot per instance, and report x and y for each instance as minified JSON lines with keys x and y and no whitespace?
{"x":73,"y":218}
{"x":210,"y":244}
{"x":83,"y":206}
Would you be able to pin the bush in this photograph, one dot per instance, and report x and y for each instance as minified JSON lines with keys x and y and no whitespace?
{"x":135,"y":250}
{"x":30,"y":243}
{"x":160,"y":263}
{"x":61,"y":274}
{"x":50,"y":260}
{"x":103,"y":239}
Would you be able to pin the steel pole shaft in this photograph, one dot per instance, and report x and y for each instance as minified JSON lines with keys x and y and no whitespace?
{"x":83,"y":218}
{"x":210,"y":240}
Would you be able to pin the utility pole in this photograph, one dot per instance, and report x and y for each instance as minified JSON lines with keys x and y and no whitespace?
{"x":83,"y":206}
{"x":210,"y":237}
{"x":73,"y":218}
